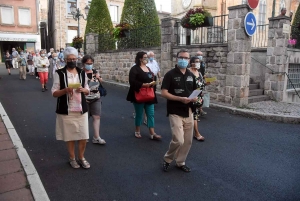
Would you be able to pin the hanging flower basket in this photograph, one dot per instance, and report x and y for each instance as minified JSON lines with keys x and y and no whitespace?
{"x":77,"y":42}
{"x":195,"y":18}
{"x":121,"y":30}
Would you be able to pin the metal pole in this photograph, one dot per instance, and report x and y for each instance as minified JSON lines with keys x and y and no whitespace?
{"x":273,"y":10}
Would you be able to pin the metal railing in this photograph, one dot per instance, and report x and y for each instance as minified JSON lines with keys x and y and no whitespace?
{"x":294,"y":76}
{"x":144,"y":37}
{"x":214,"y":34}
{"x":260,"y":37}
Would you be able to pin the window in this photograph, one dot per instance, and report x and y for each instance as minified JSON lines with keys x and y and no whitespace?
{"x":69,"y":3}
{"x":114,"y":13}
{"x":7,"y":15}
{"x":282,"y":5}
{"x":72,"y":32}
{"x":24,"y":16}
{"x":262,"y":12}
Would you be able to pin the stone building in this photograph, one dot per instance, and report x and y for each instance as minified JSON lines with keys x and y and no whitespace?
{"x":19,"y":22}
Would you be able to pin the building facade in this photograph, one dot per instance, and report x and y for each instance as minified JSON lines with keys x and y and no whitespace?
{"x":19,"y":25}
{"x":62,"y":28}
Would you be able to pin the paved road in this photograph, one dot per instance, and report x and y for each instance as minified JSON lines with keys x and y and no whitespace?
{"x":241,"y":159}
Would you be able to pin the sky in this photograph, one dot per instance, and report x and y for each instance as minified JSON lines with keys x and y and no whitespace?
{"x":166,"y":5}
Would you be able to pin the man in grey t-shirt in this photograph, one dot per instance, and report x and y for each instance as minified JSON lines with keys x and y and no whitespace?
{"x":15,"y":56}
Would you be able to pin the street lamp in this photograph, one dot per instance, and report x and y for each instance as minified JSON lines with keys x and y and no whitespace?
{"x":77,"y":14}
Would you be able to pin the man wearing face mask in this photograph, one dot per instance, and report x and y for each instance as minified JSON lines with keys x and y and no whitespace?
{"x":61,"y":57}
{"x":15,"y":56}
{"x":178,"y":84}
{"x":153,"y":65}
{"x":202,"y":63}
{"x":54,"y":65}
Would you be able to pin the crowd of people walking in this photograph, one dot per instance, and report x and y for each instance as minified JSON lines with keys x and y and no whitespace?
{"x":78,"y":97}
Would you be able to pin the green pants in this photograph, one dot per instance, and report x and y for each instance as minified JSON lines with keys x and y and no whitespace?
{"x":139,"y":110}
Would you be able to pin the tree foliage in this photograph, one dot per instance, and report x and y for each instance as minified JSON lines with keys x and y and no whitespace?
{"x":143,"y":18}
{"x":99,"y":22}
{"x":296,"y":27}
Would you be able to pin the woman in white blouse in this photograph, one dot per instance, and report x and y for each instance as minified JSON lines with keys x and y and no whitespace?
{"x":70,"y":85}
{"x":42,"y":69}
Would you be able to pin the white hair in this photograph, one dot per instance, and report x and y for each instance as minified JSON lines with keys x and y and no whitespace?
{"x":70,"y":50}
{"x":148,"y":53}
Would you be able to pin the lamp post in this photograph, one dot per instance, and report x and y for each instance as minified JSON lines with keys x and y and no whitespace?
{"x":273,"y":9}
{"x":77,"y":14}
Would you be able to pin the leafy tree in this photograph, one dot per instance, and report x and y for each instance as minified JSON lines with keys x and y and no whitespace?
{"x":144,"y":21}
{"x":296,"y":27}
{"x":99,"y":22}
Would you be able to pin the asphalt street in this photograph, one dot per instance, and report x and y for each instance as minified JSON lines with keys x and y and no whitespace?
{"x":241,"y":158}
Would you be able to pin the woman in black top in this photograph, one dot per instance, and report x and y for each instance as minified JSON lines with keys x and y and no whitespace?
{"x":141,"y":76}
{"x":8,"y":59}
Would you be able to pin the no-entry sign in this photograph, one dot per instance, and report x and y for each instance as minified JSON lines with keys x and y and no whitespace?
{"x":252,"y":3}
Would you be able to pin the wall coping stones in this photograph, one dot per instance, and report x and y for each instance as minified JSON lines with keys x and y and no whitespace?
{"x":238,"y":6}
{"x":279,"y":18}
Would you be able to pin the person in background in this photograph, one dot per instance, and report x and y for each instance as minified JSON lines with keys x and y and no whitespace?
{"x":80,"y":56}
{"x":26,"y":53}
{"x":30,"y":63}
{"x":141,"y":76}
{"x":194,"y":66}
{"x":15,"y":56}
{"x":202,"y":70}
{"x":54,"y":65}
{"x":61,"y":57}
{"x":23,"y":64}
{"x":8,"y":62}
{"x":178,"y":84}
{"x":35,"y":59}
{"x":42,"y":69}
{"x":49,"y":55}
{"x":94,"y":103}
{"x":72,"y":111}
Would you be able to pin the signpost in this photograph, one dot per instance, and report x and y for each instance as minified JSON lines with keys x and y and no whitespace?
{"x":250,"y":24}
{"x":252,"y":3}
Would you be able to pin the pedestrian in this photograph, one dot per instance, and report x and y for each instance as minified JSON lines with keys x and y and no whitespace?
{"x":8,"y":62}
{"x":61,"y":57}
{"x":93,"y":99}
{"x":35,"y":60}
{"x":202,"y":70}
{"x":178,"y":84}
{"x":140,"y":76}
{"x":23,"y":66}
{"x":54,"y":65}
{"x":153,"y":65}
{"x":42,"y":69}
{"x":49,"y":55}
{"x":15,"y":56}
{"x":30,"y":63}
{"x":72,"y":110}
{"x":194,"y":66}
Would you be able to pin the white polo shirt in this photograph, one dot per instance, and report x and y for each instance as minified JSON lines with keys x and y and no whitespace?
{"x":154,"y":67}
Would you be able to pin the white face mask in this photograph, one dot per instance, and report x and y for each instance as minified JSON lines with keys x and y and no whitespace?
{"x":197,"y":65}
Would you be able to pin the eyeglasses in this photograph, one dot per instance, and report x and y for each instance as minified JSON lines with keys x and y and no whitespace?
{"x":70,"y":60}
{"x":181,"y":58}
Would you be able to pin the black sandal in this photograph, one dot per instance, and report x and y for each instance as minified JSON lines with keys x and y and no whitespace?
{"x":184,"y":168}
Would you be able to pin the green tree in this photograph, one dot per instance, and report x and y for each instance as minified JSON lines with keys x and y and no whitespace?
{"x":296,"y":27}
{"x":99,"y":22}
{"x":143,"y":18}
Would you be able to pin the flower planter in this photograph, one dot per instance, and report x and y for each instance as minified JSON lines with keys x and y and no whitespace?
{"x":78,"y":45}
{"x":208,"y":22}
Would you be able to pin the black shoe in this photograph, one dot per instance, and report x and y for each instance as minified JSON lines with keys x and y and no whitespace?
{"x":166,"y":166}
{"x":8,"y":73}
{"x":184,"y":168}
{"x":43,"y":89}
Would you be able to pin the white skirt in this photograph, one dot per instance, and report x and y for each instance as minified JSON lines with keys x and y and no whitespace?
{"x":72,"y":127}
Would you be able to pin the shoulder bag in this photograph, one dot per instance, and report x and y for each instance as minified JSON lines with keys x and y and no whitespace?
{"x":102,"y":90}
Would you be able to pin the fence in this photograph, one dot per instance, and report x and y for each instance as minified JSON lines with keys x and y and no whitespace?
{"x":144,"y":37}
{"x":260,"y":37}
{"x":217,"y":33}
{"x":294,"y":76}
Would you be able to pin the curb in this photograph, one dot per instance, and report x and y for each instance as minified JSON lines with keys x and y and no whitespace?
{"x":238,"y":111}
{"x":36,"y":186}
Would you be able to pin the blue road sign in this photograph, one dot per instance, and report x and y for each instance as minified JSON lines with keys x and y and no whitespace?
{"x":250,"y":23}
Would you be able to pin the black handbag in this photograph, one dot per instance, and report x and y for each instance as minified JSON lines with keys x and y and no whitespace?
{"x":102,"y":90}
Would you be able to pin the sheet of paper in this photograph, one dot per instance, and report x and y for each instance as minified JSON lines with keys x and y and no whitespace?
{"x":195,"y":94}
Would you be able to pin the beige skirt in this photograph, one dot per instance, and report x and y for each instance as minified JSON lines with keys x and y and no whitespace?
{"x":72,"y":127}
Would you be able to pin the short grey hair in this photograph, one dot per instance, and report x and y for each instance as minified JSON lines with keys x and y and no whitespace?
{"x":70,"y":50}
{"x":148,"y":53}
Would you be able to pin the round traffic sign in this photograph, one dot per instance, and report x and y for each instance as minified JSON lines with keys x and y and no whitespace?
{"x":250,"y":23}
{"x":252,"y":3}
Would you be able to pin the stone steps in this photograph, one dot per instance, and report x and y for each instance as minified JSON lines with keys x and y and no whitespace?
{"x":254,"y":99}
{"x":256,"y":92}
{"x":253,"y":86}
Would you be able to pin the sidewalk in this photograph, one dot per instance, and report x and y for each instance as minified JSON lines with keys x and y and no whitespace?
{"x":19,"y":179}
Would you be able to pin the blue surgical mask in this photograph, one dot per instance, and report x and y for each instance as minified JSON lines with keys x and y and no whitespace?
{"x":88,"y":67}
{"x":200,"y":57}
{"x":182,"y":63}
{"x":151,"y":58}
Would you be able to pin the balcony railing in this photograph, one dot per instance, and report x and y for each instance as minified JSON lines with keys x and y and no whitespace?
{"x":260,"y":37}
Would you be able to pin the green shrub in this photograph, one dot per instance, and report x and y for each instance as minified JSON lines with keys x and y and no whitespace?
{"x":99,"y":22}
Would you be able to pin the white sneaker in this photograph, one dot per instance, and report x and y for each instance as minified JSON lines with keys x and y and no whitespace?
{"x":98,"y":141}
